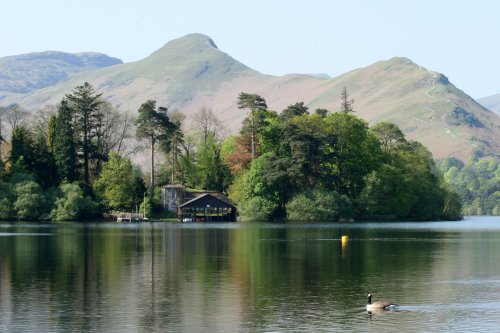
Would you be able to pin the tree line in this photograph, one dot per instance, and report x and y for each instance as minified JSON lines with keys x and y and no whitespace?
{"x":324,"y":166}
{"x":73,"y":162}
{"x":477,"y":182}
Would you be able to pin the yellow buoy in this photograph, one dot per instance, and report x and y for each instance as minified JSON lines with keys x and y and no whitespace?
{"x":344,"y":244}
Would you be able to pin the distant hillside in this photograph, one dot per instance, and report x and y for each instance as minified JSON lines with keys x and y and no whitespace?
{"x":491,"y":102}
{"x":191,"y":72}
{"x":28,"y":72}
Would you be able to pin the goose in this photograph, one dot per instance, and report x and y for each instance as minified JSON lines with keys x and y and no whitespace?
{"x":379,"y":305}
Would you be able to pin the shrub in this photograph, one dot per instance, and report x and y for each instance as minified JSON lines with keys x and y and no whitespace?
{"x":6,"y":201}
{"x":257,"y":209}
{"x":72,"y":205}
{"x":30,"y":201}
{"x":315,"y":205}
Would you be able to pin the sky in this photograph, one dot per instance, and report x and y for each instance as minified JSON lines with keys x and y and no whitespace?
{"x":458,"y":38}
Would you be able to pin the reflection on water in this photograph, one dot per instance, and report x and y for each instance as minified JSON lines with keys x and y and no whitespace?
{"x":156,"y":277}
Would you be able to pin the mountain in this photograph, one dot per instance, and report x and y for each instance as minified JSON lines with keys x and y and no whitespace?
{"x":28,"y":72}
{"x":191,"y":72}
{"x":491,"y":102}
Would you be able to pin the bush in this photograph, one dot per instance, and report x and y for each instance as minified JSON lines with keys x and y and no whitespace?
{"x":6,"y":201}
{"x":72,"y":205}
{"x":30,"y":201}
{"x":315,"y":205}
{"x":147,"y":207}
{"x":452,"y":210}
{"x":299,"y":208}
{"x":257,"y":209}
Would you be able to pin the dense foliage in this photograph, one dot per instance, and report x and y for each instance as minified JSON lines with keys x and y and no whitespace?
{"x":70,"y":162}
{"x":327,"y":167}
{"x":120,"y":185}
{"x":477,"y":182}
{"x":54,"y":157}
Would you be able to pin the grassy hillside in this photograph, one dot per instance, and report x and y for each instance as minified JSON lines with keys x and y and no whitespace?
{"x":25,"y":73}
{"x":191,"y":72}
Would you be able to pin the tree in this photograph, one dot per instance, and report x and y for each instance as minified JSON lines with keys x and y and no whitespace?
{"x":154,"y":126}
{"x":113,"y":129}
{"x":41,"y":122}
{"x":252,"y":102}
{"x":176,"y":143}
{"x":116,"y":183}
{"x":353,"y":155}
{"x":345,"y":103}
{"x":187,"y":161}
{"x":295,"y":110}
{"x":452,"y":209}
{"x":207,"y":124}
{"x":386,"y":193}
{"x":213,"y":172}
{"x":267,"y":181}
{"x":236,"y":151}
{"x":63,"y":144}
{"x":43,"y":166}
{"x":51,"y":132}
{"x":477,"y":183}
{"x":16,"y":116}
{"x":29,"y":150}
{"x":85,"y":104}
{"x":138,"y":186}
{"x":389,"y":135}
{"x":22,"y":147}
{"x":321,"y":112}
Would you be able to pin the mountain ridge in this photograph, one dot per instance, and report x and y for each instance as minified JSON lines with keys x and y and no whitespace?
{"x":28,"y":72}
{"x":191,"y":72}
{"x":491,"y":102}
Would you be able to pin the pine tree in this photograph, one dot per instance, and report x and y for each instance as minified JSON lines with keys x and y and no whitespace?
{"x":51,"y":129}
{"x":63,"y":144}
{"x":21,"y":147}
{"x":254,"y":103}
{"x":155,"y":127}
{"x":346,"y":104}
{"x":85,"y":103}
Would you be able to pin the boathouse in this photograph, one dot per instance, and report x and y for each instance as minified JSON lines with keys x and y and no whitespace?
{"x":207,"y":207}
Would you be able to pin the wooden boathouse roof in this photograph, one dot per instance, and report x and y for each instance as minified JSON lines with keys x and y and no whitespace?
{"x":205,"y":200}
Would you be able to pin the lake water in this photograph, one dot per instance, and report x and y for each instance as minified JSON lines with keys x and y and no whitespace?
{"x":235,"y":277}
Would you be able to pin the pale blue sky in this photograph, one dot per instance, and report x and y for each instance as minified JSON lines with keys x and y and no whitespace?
{"x":460,"y":39}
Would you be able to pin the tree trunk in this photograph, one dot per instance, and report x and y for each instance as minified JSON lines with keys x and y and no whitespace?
{"x":254,"y":150}
{"x":86,"y":174}
{"x":152,"y":178}
{"x":174,"y":162}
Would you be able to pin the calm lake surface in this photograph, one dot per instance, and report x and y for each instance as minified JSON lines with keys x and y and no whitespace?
{"x":236,"y":277}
